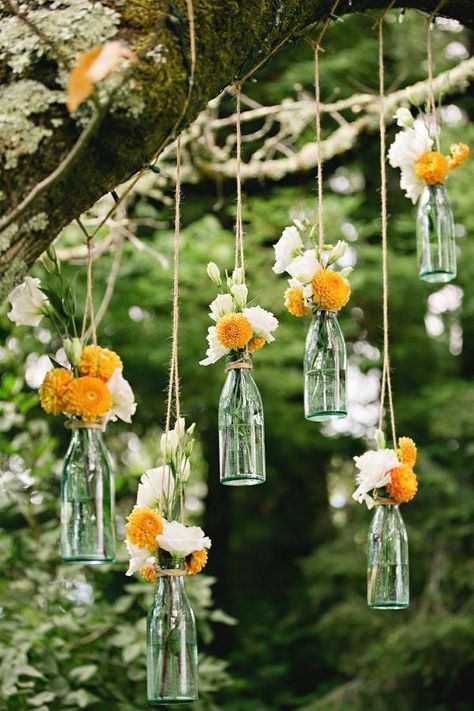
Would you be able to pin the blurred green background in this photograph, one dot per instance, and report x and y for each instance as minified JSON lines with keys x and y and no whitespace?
{"x":282,"y":614}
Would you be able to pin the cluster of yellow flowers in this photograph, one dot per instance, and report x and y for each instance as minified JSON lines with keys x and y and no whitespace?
{"x":433,"y":167}
{"x":87,"y":395}
{"x":330,"y":292}
{"x":403,"y":483}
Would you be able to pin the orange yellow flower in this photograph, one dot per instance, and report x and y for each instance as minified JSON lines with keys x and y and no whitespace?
{"x":330,"y":290}
{"x":432,"y":168}
{"x":197,"y":561}
{"x":87,"y":397}
{"x":403,"y":484}
{"x":256,"y":343}
{"x":148,"y":574}
{"x":53,"y":390}
{"x":143,"y":526}
{"x":459,"y":153}
{"x":99,"y":362}
{"x":294,"y":301}
{"x":406,"y":451}
{"x":234,"y":331}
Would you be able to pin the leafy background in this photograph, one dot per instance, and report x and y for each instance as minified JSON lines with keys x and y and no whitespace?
{"x":282,"y":616}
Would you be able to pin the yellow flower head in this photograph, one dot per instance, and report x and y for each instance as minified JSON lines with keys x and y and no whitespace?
{"x":406,"y":451}
{"x":403,"y":485}
{"x":256,"y":343}
{"x":196,"y":562}
{"x":87,"y":397}
{"x":432,"y":168}
{"x":234,"y":331}
{"x":148,"y":574}
{"x":99,"y":362}
{"x":143,"y":526}
{"x":330,"y":290}
{"x":459,"y":153}
{"x":53,"y":390}
{"x":294,"y":301}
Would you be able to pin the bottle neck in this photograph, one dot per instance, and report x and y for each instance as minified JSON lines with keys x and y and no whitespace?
{"x":238,"y":357}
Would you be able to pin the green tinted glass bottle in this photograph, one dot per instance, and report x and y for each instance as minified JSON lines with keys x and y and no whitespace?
{"x":436,"y":244}
{"x":241,"y":427}
{"x":387,"y":560}
{"x":87,"y":500}
{"x":172,"y":657}
{"x":325,"y":363}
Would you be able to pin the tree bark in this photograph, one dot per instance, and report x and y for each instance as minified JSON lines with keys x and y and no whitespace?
{"x":154,"y":103}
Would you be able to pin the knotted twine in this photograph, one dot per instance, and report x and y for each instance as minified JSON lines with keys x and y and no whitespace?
{"x":429,"y":53}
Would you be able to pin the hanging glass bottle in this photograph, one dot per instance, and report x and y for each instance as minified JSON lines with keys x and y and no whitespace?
{"x":387,"y":554}
{"x":241,"y":427}
{"x":87,"y":500}
{"x":436,"y":245}
{"x":172,"y":658}
{"x":325,"y":362}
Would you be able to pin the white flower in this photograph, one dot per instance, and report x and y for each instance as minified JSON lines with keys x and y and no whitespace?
{"x":155,"y":484}
{"x":170,"y":441}
{"x":263,"y":322}
{"x":223,"y":304}
{"x":304,"y":267}
{"x":181,"y":540}
{"x":139,"y":558}
{"x":28,"y":303}
{"x":123,"y":399}
{"x":404,"y":118}
{"x":286,"y":249}
{"x":374,"y":473}
{"x":408,"y":146}
{"x":215,"y":349}
{"x":240,"y":293}
{"x":337,"y":252}
{"x":214,"y":273}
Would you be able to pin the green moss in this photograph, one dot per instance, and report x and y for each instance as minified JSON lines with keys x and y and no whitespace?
{"x":6,"y":237}
{"x":12,"y":276}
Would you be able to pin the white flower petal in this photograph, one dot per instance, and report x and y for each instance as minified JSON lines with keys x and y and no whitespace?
{"x":215,"y":350}
{"x":304,"y":267}
{"x":155,"y":484}
{"x":286,"y":249}
{"x":123,"y":399}
{"x":263,"y":322}
{"x":180,"y":540}
{"x":28,"y":303}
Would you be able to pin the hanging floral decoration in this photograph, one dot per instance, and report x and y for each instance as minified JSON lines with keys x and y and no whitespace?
{"x":155,"y":536}
{"x":314,"y":284}
{"x":238,"y":328}
{"x":412,"y":152}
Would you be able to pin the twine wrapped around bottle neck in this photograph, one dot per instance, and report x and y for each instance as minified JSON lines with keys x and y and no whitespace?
{"x":384,"y":501}
{"x":84,"y":425}
{"x":239,"y":365}
{"x":171,"y":573}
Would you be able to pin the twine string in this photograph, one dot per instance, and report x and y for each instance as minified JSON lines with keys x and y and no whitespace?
{"x":89,"y":311}
{"x":239,"y":365}
{"x":84,"y":425}
{"x":431,"y":96}
{"x":386,"y":376}
{"x":239,"y":228}
{"x":171,"y":573}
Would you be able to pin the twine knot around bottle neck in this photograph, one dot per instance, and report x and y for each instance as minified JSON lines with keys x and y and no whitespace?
{"x":384,"y":501}
{"x":239,"y":365}
{"x":84,"y":425}
{"x":171,"y":572}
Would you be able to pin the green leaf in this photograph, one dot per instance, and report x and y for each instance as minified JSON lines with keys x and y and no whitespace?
{"x":83,"y":673}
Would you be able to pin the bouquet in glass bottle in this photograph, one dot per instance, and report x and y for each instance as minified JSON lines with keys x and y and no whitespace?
{"x":385,"y":480}
{"x":239,"y":331}
{"x":88,"y":387}
{"x":423,"y":175}
{"x":316,"y":288}
{"x":163,"y":550}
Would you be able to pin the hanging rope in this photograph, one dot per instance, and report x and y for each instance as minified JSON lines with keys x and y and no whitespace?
{"x":239,"y":228}
{"x":89,"y":312}
{"x":386,"y":377}
{"x":431,"y":96}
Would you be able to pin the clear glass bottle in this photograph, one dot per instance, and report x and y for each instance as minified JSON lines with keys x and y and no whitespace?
{"x":387,"y":560}
{"x":325,"y":363}
{"x":172,"y":657}
{"x":87,"y":500}
{"x":436,"y":244}
{"x":241,"y":427}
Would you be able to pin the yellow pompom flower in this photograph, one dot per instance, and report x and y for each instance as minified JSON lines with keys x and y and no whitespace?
{"x":53,"y":389}
{"x":459,"y":153}
{"x":143,"y":526}
{"x":148,"y":574}
{"x":234,"y":331}
{"x":256,"y":343}
{"x":196,"y":562}
{"x":99,"y":362}
{"x":330,"y":290}
{"x":403,"y":484}
{"x":406,"y":451}
{"x":294,"y":301}
{"x":87,"y":397}
{"x":432,"y":168}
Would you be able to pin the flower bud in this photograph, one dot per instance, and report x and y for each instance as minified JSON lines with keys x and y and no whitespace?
{"x":379,"y":439}
{"x":238,"y":276}
{"x":404,"y":118}
{"x":240,"y":293}
{"x":73,"y":350}
{"x":214,"y":273}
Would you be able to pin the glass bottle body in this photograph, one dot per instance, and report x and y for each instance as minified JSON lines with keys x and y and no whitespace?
{"x":241,"y":427}
{"x":387,"y":560}
{"x":436,"y":244}
{"x":172,"y":657}
{"x":325,"y":363}
{"x":87,"y":500}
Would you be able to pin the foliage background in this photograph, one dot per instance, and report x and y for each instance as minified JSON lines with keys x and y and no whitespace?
{"x":288,"y":561}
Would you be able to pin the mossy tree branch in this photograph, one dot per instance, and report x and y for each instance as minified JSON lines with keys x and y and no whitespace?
{"x":36,"y":132}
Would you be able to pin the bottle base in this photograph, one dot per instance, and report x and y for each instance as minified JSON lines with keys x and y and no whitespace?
{"x":437,"y":276}
{"x":325,"y":415}
{"x":242,"y":481}
{"x":174,"y":700}
{"x":387,"y":605}
{"x":89,"y":560}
